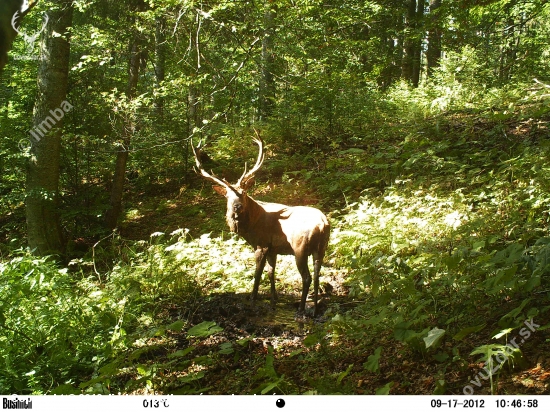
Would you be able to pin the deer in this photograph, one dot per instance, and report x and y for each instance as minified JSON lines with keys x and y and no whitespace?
{"x":273,"y":229}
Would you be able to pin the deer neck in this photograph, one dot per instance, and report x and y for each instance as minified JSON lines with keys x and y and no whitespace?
{"x":245,"y":225}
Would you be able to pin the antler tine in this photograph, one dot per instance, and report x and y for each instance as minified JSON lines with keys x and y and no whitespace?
{"x":247,"y":176}
{"x":212,"y":177}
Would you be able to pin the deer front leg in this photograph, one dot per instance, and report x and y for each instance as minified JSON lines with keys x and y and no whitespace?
{"x":260,"y":255}
{"x":272,"y":260}
{"x":301,"y":263}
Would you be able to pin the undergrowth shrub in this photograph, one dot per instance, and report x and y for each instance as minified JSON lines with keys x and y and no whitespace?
{"x":461,"y":82}
{"x":462,"y":233}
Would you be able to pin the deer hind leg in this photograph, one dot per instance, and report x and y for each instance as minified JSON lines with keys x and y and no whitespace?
{"x":272,"y":261}
{"x":301,"y":263}
{"x":260,"y":255}
{"x":318,"y":256}
{"x":317,"y":262}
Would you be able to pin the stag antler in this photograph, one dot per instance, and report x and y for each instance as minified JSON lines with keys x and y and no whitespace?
{"x":247,"y":178}
{"x":212,"y":177}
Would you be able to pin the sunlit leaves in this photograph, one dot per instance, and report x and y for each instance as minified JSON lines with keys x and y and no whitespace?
{"x":434,"y":337}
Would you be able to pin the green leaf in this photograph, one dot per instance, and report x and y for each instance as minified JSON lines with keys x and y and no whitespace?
{"x":532,"y":283}
{"x":226,"y":348}
{"x":136,"y":354}
{"x":91,"y":382}
{"x":477,"y":246}
{"x":343,"y":374}
{"x":402,"y":332}
{"x":452,"y":261}
{"x":143,"y":370}
{"x":244,"y":341}
{"x":270,"y":386}
{"x":384,"y":390}
{"x":487,"y":351}
{"x":296,"y":352}
{"x":270,"y":363}
{"x":441,"y":356}
{"x":352,"y":150}
{"x":203,"y":360}
{"x":191,"y":377}
{"x":176,"y":326}
{"x":465,"y":332}
{"x":311,"y":340}
{"x":181,"y":353}
{"x":503,"y":332}
{"x":440,"y":387}
{"x":514,"y":312}
{"x":373,"y":362}
{"x":434,"y":337}
{"x":110,"y":368}
{"x":204,"y":329}
{"x":544,"y":327}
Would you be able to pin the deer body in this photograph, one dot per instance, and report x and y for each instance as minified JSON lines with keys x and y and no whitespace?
{"x":274,"y":229}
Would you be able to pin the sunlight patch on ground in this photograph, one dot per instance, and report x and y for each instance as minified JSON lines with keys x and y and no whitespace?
{"x":133,"y":214}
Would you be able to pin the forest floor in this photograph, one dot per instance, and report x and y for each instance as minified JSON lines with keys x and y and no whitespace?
{"x":275,"y":345}
{"x":444,"y":230}
{"x":262,"y":327}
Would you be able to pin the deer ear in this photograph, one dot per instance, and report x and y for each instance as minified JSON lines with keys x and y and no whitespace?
{"x":221,"y":190}
{"x":249,"y":184}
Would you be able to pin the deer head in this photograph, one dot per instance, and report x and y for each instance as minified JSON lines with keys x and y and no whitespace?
{"x":237,"y":199}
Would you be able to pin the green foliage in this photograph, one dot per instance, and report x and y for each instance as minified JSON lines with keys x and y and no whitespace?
{"x":204,"y":329}
{"x":372,"y":364}
{"x":53,"y":325}
{"x":384,"y":390}
{"x":439,"y":194}
{"x":69,"y":325}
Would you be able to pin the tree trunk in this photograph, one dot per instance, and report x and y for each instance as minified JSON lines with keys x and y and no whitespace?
{"x":42,"y":197}
{"x":417,"y":41}
{"x":408,"y":43}
{"x":117,"y":188}
{"x":160,"y":63}
{"x":433,"y":54}
{"x":267,"y":81}
{"x":509,"y":49}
